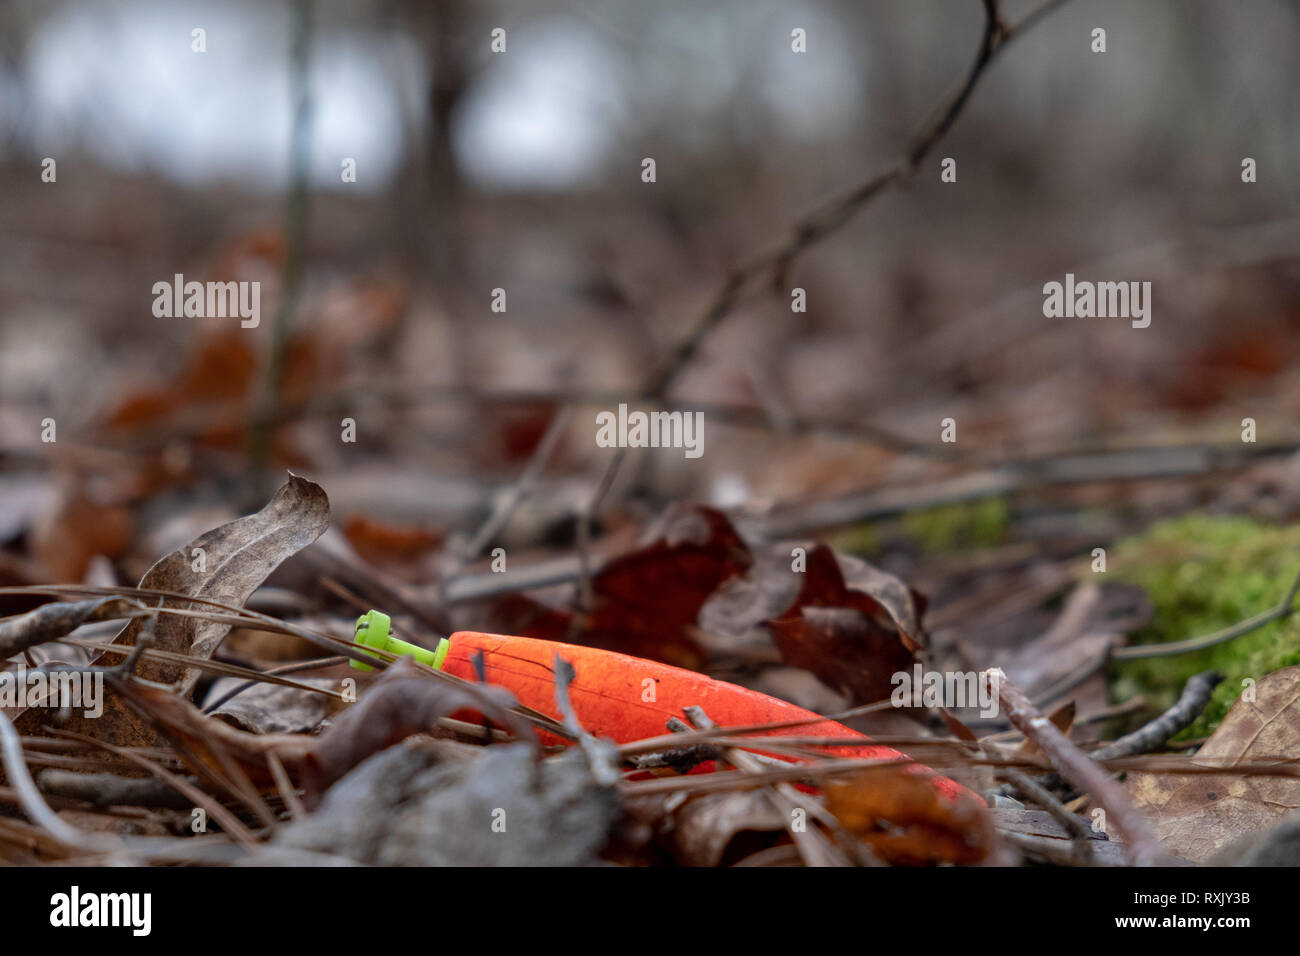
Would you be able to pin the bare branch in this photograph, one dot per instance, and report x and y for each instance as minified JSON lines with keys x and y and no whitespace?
{"x":822,"y":222}
{"x":1076,"y":766}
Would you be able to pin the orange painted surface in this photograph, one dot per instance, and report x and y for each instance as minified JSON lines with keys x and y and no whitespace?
{"x":610,"y":694}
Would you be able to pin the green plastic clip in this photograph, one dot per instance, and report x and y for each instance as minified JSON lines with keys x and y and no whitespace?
{"x":372,"y":631}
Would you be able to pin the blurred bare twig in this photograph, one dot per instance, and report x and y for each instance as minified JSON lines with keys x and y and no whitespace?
{"x":1083,"y":467}
{"x":295,"y":227}
{"x":516,"y":494}
{"x":808,"y":231}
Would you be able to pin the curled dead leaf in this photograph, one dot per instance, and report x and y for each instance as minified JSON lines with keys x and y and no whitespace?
{"x":646,"y":602}
{"x":906,"y":820}
{"x":399,"y":704}
{"x":852,"y":625}
{"x":716,"y":829}
{"x":226,"y":564}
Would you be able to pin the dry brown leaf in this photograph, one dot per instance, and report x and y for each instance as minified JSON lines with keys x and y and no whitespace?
{"x":432,"y":803}
{"x":208,"y":402}
{"x":387,"y":542}
{"x":1090,"y":623}
{"x":852,"y":625}
{"x":218,"y":374}
{"x":75,"y":530}
{"x":1062,"y":719}
{"x":400,"y":703}
{"x":907,"y":821}
{"x":720,"y":828}
{"x":237,"y":558}
{"x":1196,"y":815}
{"x":274,"y":708}
{"x":646,"y":602}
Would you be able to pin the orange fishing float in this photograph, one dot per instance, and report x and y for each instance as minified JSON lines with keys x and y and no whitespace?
{"x":619,"y":696}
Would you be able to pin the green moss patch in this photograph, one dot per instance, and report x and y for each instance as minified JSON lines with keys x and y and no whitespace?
{"x":1203,"y":574}
{"x":980,"y":524}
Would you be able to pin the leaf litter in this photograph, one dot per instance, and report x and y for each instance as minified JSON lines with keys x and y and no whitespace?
{"x":407,"y":768}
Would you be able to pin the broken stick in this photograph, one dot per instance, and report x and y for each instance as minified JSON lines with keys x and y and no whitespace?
{"x":1077,"y":767}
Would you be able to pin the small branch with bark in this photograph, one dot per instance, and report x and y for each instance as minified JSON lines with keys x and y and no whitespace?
{"x":1078,"y":768}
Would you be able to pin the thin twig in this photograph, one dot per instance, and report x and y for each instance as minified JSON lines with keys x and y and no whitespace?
{"x":1282,"y":609}
{"x":282,"y":783}
{"x":1074,"y":765}
{"x":795,"y":519}
{"x":102,"y":790}
{"x":20,"y":778}
{"x":295,"y":227}
{"x":650,"y":744}
{"x":600,"y":755}
{"x":517,"y":493}
{"x":816,"y":226}
{"x":1193,"y":700}
{"x":214,"y":808}
{"x":53,"y":621}
{"x":1015,"y":476}
{"x":584,"y":598}
{"x":1040,"y":795}
{"x":813,"y":845}
{"x":276,"y":672}
{"x":731,"y":780}
{"x":243,"y":616}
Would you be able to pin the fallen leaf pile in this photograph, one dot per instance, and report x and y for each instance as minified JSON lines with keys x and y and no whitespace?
{"x":314,"y":761}
{"x":368,"y":785}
